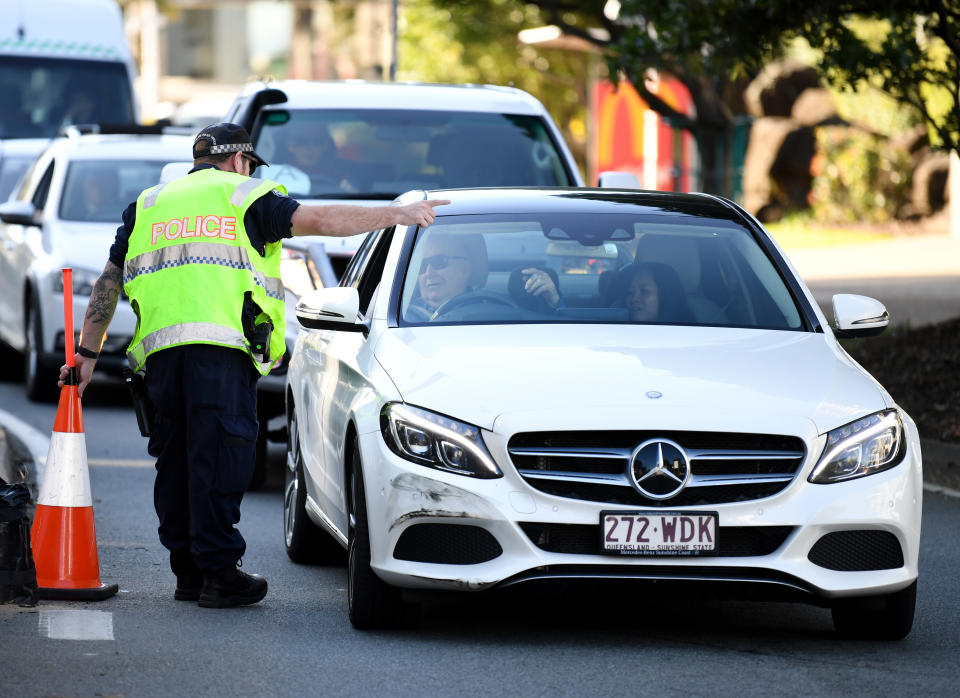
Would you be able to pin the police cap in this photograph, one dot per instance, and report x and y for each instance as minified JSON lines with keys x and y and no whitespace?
{"x":217,"y":139}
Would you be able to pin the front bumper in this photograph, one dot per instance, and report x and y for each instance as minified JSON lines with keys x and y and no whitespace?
{"x":505,"y":521}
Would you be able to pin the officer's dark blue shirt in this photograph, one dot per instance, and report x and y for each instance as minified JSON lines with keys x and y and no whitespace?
{"x":267,"y":220}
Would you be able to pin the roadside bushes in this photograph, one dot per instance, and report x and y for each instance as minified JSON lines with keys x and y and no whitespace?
{"x":858,"y":177}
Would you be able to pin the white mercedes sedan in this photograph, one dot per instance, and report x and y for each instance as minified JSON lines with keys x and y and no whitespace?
{"x":596,"y":384}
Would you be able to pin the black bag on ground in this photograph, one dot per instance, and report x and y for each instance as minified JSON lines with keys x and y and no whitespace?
{"x":18,"y":575}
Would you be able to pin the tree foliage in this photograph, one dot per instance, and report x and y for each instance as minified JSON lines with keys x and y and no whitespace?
{"x":706,"y":43}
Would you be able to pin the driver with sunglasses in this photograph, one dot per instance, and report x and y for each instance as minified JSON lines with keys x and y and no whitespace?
{"x":455,"y":264}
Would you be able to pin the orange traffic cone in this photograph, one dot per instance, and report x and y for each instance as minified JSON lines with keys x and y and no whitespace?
{"x":63,"y":536}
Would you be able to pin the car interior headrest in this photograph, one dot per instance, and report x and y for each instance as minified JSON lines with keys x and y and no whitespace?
{"x":675,"y":251}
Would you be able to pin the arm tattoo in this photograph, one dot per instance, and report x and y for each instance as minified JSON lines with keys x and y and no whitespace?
{"x":103,"y":300}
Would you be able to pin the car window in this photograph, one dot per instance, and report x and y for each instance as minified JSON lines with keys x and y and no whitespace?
{"x":381,"y":153}
{"x":11,"y":169}
{"x":594,"y":268}
{"x":351,"y":274}
{"x":99,"y":190}
{"x":369,"y":280}
{"x":43,"y":187}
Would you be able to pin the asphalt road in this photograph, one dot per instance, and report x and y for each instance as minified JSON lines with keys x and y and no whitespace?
{"x":917,"y":278}
{"x":537,"y":641}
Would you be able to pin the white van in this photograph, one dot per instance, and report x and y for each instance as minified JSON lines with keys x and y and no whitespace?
{"x":62,"y":62}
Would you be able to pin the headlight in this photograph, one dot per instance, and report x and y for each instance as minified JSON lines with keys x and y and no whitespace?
{"x":83,"y":281}
{"x":436,"y":441}
{"x":863,"y":447}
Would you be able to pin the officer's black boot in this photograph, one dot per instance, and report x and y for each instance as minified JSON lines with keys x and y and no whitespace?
{"x":189,"y":576}
{"x":231,"y":587}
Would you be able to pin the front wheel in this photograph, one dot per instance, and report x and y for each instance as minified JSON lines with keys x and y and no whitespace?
{"x":887,"y":617}
{"x":373,"y":602}
{"x":40,"y":379}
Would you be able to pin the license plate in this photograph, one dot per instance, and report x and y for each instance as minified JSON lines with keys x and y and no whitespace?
{"x":659,"y":532}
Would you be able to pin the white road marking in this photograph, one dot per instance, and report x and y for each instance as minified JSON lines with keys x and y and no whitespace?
{"x":123,"y":462}
{"x":76,"y":625}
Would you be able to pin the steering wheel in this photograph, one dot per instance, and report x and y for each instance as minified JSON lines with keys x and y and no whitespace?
{"x":471,"y":298}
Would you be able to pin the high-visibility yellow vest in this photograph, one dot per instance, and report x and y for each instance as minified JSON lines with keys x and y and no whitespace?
{"x":189,"y":263}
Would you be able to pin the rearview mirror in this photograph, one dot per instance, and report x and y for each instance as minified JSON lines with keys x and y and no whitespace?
{"x":858,"y":316}
{"x":174,"y":170}
{"x":618,"y":180}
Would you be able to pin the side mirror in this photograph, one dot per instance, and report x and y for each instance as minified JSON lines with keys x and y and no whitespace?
{"x":19,"y":213}
{"x":858,"y":316}
{"x":618,"y":180}
{"x":331,"y":309}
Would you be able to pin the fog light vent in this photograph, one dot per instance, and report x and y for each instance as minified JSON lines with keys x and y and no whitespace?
{"x":857,"y":551}
{"x":447,"y":544}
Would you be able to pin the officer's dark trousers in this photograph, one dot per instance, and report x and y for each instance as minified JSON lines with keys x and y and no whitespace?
{"x":204,"y":441}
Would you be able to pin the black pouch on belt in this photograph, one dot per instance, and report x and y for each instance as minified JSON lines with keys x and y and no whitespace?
{"x":141,"y":401}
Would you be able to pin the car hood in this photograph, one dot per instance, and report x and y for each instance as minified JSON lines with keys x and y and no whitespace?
{"x":82,"y":245}
{"x":703,"y":377}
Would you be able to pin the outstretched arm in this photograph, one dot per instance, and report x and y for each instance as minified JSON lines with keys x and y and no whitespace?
{"x":344,"y":220}
{"x":100,"y":310}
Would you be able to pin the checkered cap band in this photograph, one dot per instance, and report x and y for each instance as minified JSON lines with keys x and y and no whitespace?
{"x":231,"y":148}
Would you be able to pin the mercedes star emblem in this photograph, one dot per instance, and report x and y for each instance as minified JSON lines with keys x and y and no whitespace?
{"x":659,"y":469}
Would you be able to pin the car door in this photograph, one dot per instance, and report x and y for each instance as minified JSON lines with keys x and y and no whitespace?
{"x":319,"y":377}
{"x":16,"y":255}
{"x":345,"y":380}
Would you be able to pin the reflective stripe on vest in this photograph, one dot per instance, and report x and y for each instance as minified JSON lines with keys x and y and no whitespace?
{"x":150,"y":200}
{"x":189,"y":333}
{"x":200,"y":253}
{"x":243,"y":190}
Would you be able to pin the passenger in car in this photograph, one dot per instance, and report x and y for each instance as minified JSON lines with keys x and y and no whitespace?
{"x":652,"y":292}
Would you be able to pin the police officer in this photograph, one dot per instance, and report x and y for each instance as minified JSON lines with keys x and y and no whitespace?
{"x":199,"y":259}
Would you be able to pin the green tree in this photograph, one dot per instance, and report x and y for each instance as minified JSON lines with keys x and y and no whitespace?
{"x":707,"y":44}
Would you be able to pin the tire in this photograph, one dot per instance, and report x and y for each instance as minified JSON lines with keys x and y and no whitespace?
{"x":304,"y":541}
{"x":39,"y":378}
{"x":373,"y":603}
{"x":887,"y":617}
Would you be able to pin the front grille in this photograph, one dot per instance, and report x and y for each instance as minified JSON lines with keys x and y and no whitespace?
{"x":857,"y":551}
{"x":594,"y":465}
{"x":447,"y":544}
{"x":584,"y":539}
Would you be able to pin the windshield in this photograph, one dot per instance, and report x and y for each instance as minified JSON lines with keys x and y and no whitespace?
{"x":42,"y":95}
{"x":594,"y":268}
{"x":381,"y":153}
{"x":11,"y":169}
{"x":99,"y":190}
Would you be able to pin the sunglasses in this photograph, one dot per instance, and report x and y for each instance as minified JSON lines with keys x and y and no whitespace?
{"x":437,"y":261}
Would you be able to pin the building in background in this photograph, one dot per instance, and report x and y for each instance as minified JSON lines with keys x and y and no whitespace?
{"x":195,"y":54}
{"x":628,"y":136}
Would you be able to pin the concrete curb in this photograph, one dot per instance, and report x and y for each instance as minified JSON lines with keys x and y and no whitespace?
{"x":23,"y":445}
